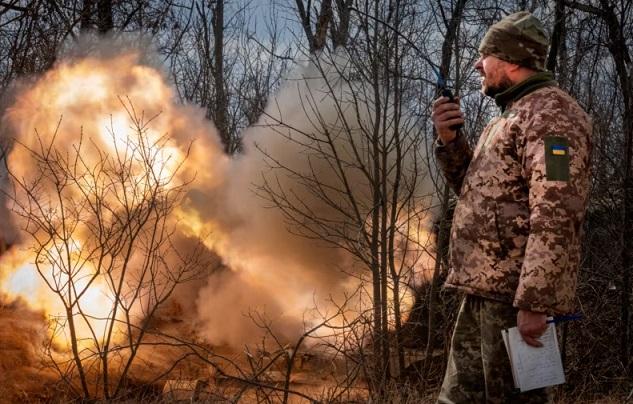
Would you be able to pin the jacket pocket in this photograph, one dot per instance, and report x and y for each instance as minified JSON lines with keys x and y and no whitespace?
{"x":487,"y":231}
{"x":512,"y":229}
{"x":503,"y":249}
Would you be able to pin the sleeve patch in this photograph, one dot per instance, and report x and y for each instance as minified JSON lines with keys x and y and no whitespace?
{"x":556,"y":158}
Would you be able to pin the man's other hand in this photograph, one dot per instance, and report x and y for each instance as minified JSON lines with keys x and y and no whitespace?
{"x":446,"y":114}
{"x":531,"y":325}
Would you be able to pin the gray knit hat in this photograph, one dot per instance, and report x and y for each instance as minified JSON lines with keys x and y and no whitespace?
{"x":518,"y":38}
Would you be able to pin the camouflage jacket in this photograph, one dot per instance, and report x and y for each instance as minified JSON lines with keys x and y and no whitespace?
{"x":523,"y":192}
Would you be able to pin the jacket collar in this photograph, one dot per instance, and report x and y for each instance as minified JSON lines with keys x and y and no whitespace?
{"x":532,"y":83}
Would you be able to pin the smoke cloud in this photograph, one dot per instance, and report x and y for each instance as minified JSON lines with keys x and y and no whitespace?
{"x":261,"y":264}
{"x":22,"y":337}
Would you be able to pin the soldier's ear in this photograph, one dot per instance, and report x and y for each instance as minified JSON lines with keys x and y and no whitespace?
{"x":512,"y":67}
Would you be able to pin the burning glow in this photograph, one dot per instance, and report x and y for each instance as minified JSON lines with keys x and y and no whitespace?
{"x":118,"y":132}
{"x":89,"y":87}
{"x":23,"y":280}
{"x":97,"y":116}
{"x":114,"y":130}
{"x":103,"y":113}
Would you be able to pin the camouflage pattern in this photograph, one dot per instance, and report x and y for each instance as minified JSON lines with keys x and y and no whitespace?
{"x":518,"y":38}
{"x":453,"y":159}
{"x":478,"y":369}
{"x":516,"y":235}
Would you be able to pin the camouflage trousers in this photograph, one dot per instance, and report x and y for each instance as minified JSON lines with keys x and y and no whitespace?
{"x":478,"y":369}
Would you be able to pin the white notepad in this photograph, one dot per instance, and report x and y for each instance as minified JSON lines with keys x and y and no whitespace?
{"x":532,"y":367}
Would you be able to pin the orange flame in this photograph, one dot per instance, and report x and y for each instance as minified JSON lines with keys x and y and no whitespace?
{"x":97,"y":102}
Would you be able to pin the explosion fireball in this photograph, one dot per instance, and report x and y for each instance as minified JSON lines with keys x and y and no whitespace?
{"x":125,"y":201}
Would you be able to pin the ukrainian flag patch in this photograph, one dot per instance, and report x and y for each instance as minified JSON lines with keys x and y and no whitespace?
{"x":559,"y":150}
{"x":556,"y":158}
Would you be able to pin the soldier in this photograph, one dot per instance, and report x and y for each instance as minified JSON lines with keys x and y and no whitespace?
{"x":523,"y":191}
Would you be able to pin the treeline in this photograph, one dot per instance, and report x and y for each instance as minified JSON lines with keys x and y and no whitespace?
{"x":217,"y":59}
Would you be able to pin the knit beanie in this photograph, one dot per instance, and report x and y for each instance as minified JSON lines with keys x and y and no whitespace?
{"x":518,"y":38}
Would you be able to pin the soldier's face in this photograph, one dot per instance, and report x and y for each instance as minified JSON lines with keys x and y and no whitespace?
{"x":494,"y":79}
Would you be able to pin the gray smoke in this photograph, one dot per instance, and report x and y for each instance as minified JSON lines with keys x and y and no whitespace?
{"x":311,"y":140}
{"x":320,"y":112}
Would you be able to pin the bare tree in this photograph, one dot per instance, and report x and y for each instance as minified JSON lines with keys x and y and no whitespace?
{"x":99,"y":12}
{"x":365,"y":190}
{"x":104,"y":225}
{"x":217,"y":60}
{"x":614,"y":17}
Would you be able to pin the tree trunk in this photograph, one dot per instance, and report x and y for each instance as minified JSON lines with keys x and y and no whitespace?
{"x":85,"y":19}
{"x":104,"y":14}
{"x":442,"y":241}
{"x":619,"y":51}
{"x":317,"y":38}
{"x":618,"y":47}
{"x":447,"y":52}
{"x":220,"y":104}
{"x":75,"y":349}
{"x":558,"y":39}
{"x":340,"y":31}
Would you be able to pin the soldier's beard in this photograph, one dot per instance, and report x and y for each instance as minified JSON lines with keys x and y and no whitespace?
{"x":502,"y":84}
